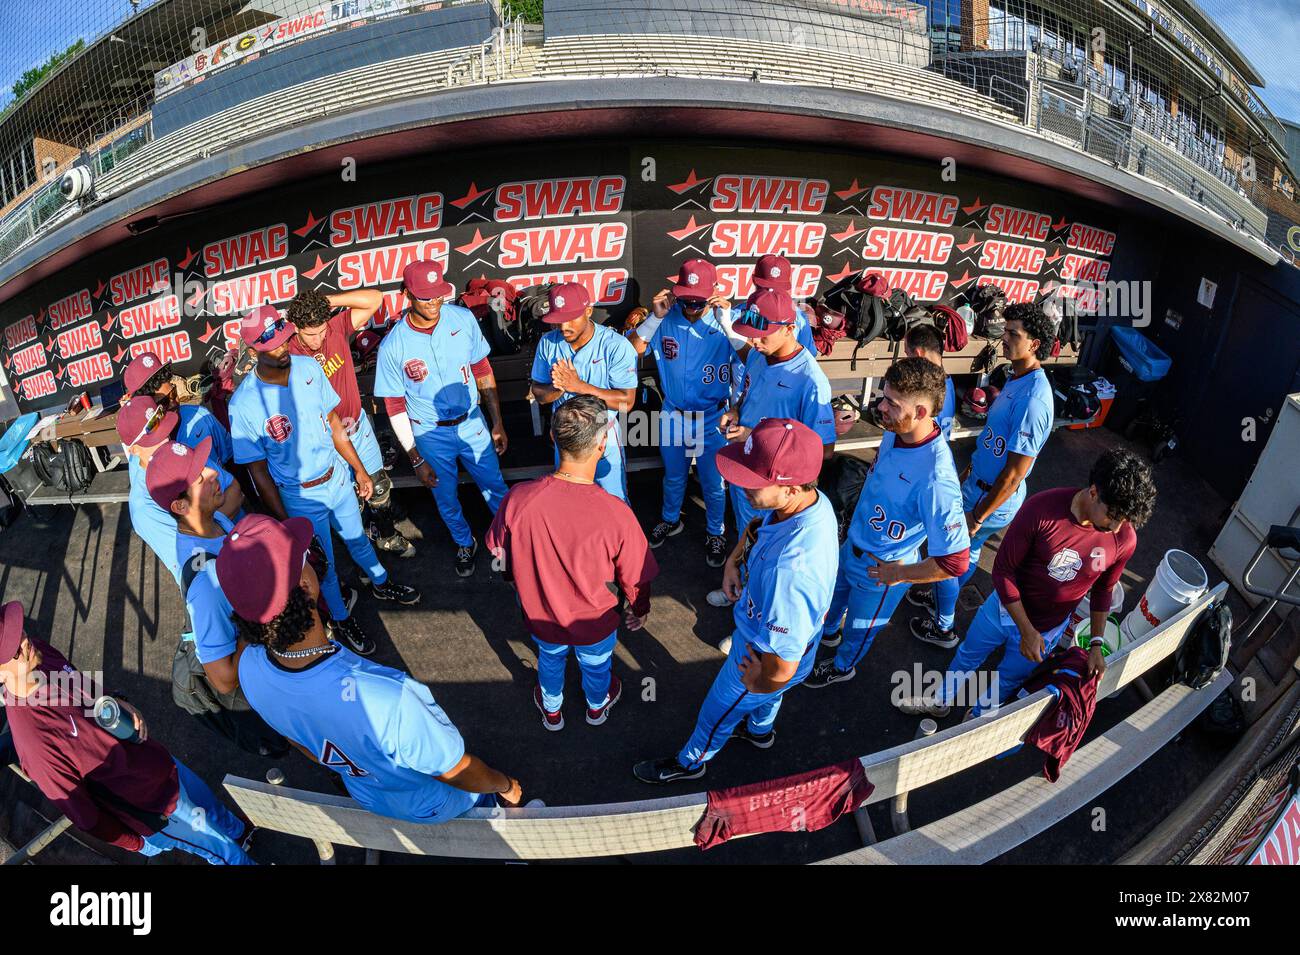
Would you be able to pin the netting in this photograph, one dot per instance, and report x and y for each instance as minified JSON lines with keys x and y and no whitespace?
{"x":1152,"y":88}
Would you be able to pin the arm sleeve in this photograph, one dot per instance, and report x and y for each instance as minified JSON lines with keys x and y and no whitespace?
{"x":481,"y":368}
{"x":245,"y":439}
{"x":424,"y":738}
{"x":1032,"y":430}
{"x":1012,"y":553}
{"x":388,"y":377}
{"x":634,"y":566}
{"x":954,"y":565}
{"x":1099,"y":597}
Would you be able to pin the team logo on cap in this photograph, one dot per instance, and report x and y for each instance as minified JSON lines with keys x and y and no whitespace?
{"x":416,"y":369}
{"x":670,"y":348}
{"x":433,"y":276}
{"x":559,"y":301}
{"x":775,"y":271}
{"x":147,"y":361}
{"x":749,"y":443}
{"x":180,"y":450}
{"x":278,"y":427}
{"x":692,"y":279}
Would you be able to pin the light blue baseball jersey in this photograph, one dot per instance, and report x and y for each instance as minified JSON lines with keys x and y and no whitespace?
{"x":198,"y":423}
{"x":155,"y":526}
{"x":211,"y":628}
{"x":608,"y":360}
{"x":795,"y":388}
{"x":288,"y":425}
{"x":802,"y":331}
{"x":1019,"y":421}
{"x":373,"y":725}
{"x":432,"y":370}
{"x":791,"y":578}
{"x":949,"y":410}
{"x":911,"y":494}
{"x":693,"y":360}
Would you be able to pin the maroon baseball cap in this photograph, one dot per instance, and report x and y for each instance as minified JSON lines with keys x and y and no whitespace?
{"x":773,"y":271}
{"x":765,"y":312}
{"x":265,"y":329}
{"x":261,"y":563}
{"x":11,"y":630}
{"x":696,"y":278}
{"x":424,"y":280}
{"x":140,"y":421}
{"x":173,"y":468}
{"x":568,"y":300}
{"x":144,"y":367}
{"x":780,"y":451}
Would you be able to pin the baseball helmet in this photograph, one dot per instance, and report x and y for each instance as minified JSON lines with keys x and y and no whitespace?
{"x":975,"y":404}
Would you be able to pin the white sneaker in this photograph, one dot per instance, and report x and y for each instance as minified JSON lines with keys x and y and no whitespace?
{"x":718,"y":598}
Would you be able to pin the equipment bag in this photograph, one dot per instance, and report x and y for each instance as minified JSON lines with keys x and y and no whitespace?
{"x":842,"y":481}
{"x":493,"y":303}
{"x":1204,"y":652}
{"x":951,"y":326}
{"x":988,"y":302}
{"x":70,"y":469}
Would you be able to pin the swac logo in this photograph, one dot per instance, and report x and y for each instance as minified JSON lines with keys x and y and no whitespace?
{"x":279,"y":428}
{"x":670,"y":348}
{"x":416,"y":370}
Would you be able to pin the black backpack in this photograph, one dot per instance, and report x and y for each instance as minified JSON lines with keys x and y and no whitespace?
{"x":869,"y":307}
{"x":842,"y":480}
{"x":988,"y":302}
{"x":1203,"y":654}
{"x":69,"y":469}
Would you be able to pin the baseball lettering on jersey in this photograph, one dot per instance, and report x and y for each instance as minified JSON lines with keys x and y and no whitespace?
{"x":335,"y":758}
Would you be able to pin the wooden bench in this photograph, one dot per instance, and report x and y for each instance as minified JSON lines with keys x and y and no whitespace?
{"x":650,"y":825}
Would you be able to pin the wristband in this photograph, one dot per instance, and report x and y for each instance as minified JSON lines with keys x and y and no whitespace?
{"x":646,"y":330}
{"x":417,"y":461}
{"x":1096,"y":642}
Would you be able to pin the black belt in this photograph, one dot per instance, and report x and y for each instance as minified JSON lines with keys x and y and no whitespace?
{"x":452,"y":422}
{"x":983,"y":485}
{"x":857,"y":551}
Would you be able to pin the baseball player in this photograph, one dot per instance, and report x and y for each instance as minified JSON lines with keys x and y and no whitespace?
{"x":911,"y":495}
{"x":285,"y":428}
{"x":398,"y":753}
{"x":780,"y":577}
{"x":327,"y":338}
{"x":434,"y":376}
{"x":993,"y":486}
{"x":143,"y":425}
{"x":784,"y":381}
{"x":150,"y":376}
{"x":694,"y":360}
{"x":1062,"y":544}
{"x":776,"y":272}
{"x":132,"y":794}
{"x":584,"y":358}
{"x":924,"y":341}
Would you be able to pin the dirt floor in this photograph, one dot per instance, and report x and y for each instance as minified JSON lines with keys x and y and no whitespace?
{"x":96,"y":593}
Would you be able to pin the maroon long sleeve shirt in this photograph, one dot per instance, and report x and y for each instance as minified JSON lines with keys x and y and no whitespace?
{"x":570,"y":549}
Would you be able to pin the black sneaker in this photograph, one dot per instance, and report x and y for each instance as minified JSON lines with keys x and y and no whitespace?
{"x":663,"y":530}
{"x":715,"y":550}
{"x":349,"y":633}
{"x":762,"y":742}
{"x":832,"y":640}
{"x":396,"y":545}
{"x":927,"y":631}
{"x":666,"y":770}
{"x":391,"y":590}
{"x":465,"y":559}
{"x":922,"y":597}
{"x":350,"y":595}
{"x":824,"y":674}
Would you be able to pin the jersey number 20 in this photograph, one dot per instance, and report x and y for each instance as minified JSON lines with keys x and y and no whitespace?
{"x":880,"y":523}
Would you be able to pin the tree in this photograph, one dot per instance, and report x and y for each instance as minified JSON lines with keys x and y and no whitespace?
{"x":530,"y":10}
{"x":32,"y":78}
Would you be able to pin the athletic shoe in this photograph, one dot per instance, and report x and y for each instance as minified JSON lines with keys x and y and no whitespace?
{"x":832,"y":640}
{"x":553,"y":721}
{"x":392,"y":590}
{"x":922,"y":706}
{"x":922,"y":597}
{"x":666,"y":770}
{"x":724,"y":645}
{"x":715,"y":550}
{"x":663,"y":530}
{"x":353,"y":637}
{"x":350,"y":595}
{"x":601,"y":713}
{"x":247,"y":842}
{"x":397,"y":545}
{"x":824,"y":674}
{"x":465,"y":559}
{"x":764,"y":741}
{"x":719,"y":598}
{"x":927,"y":631}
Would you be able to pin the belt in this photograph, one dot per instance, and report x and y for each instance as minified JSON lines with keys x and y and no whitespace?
{"x":983,"y":485}
{"x":320,"y":480}
{"x":452,"y":422}
{"x":857,"y":551}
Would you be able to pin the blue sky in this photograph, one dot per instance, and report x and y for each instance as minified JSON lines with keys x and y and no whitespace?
{"x":1267,"y":31}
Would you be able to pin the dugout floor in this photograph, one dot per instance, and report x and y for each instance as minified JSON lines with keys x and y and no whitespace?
{"x":95,"y":591}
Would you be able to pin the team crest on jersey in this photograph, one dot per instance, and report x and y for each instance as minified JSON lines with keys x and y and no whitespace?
{"x":670,"y":348}
{"x":335,"y":758}
{"x":279,"y":428}
{"x":416,"y":370}
{"x":1065,"y":565}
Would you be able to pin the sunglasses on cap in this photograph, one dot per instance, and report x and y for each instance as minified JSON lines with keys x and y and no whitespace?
{"x":694,"y":304}
{"x":751,"y":316}
{"x":272,"y":331}
{"x":152,"y":423}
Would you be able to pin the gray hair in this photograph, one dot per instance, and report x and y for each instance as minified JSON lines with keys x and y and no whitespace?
{"x":578,"y":424}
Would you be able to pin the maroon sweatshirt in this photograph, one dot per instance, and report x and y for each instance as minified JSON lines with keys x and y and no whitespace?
{"x":1048,"y":561}
{"x":115,"y":791}
{"x":569,"y":549}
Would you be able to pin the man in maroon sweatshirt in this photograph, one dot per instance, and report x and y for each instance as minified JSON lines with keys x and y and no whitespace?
{"x":129,"y":793}
{"x":576,"y":555}
{"x":1062,"y":545}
